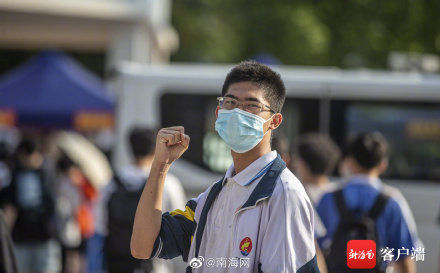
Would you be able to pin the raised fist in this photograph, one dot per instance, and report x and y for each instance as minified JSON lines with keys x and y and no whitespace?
{"x":171,"y":143}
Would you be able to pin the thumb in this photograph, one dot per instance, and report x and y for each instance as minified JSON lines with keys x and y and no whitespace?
{"x":185,"y":141}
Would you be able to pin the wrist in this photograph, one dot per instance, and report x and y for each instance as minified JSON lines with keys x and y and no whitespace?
{"x":160,"y":166}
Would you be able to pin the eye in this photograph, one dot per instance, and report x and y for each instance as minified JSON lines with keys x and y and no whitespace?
{"x":253,"y":106}
{"x":229,"y":102}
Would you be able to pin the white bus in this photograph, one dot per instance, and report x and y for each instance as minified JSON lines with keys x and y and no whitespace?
{"x":405,"y":107}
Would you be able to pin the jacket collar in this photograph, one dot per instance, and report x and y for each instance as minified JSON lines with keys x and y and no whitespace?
{"x":266,"y":186}
{"x":255,"y":170}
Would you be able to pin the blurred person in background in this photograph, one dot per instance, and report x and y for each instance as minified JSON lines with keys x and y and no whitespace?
{"x":29,"y":207}
{"x":117,"y":206}
{"x":315,"y":159}
{"x":8,"y":263}
{"x":74,"y":202}
{"x":282,"y":146}
{"x":365,"y":208}
{"x":5,"y":174}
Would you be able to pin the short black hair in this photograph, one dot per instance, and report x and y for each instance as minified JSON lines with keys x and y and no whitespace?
{"x":64,"y":163}
{"x":26,"y":147}
{"x":319,"y":152}
{"x":263,"y":77}
{"x":142,"y":141}
{"x":368,"y":149}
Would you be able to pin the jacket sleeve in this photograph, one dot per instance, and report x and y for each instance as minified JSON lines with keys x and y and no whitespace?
{"x":288,"y":242}
{"x":401,"y":227}
{"x":176,"y":232}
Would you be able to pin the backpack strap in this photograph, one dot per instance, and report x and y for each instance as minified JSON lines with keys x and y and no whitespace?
{"x":204,"y":215}
{"x":119,"y":183}
{"x":378,"y":206}
{"x":215,"y":190}
{"x":341,"y":205}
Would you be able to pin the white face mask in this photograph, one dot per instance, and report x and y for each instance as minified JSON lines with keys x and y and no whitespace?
{"x":241,"y":130}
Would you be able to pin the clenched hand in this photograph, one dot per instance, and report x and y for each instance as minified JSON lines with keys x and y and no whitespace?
{"x":171,"y":143}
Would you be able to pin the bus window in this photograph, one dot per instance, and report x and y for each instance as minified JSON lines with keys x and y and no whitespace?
{"x":197,"y":114}
{"x":300,"y":116}
{"x":412,"y":130}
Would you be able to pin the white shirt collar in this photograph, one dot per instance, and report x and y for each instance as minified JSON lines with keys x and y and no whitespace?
{"x":132,"y":174}
{"x":248,"y":174}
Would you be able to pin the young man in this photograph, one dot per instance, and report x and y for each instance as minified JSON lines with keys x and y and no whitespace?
{"x":365,"y":195}
{"x":117,"y":206}
{"x":258,"y":218}
{"x":314,"y":160}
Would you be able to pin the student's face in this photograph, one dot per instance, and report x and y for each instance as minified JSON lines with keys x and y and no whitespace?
{"x":247,"y":91}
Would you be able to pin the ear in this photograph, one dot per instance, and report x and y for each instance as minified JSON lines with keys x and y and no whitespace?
{"x":216,"y":111}
{"x":276,"y":121}
{"x":383,"y":166}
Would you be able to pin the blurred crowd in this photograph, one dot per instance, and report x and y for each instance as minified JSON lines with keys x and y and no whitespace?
{"x":62,"y":219}
{"x":63,"y":216}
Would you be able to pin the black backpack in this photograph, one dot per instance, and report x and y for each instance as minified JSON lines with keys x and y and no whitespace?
{"x":121,"y":211}
{"x":35,"y":204}
{"x":353,"y":228}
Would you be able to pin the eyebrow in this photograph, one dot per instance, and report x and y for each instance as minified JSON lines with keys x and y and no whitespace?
{"x":248,"y":98}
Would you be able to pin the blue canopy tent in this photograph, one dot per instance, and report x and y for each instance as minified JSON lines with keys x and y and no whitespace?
{"x":53,"y":91}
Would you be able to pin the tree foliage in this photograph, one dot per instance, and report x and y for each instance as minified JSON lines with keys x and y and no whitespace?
{"x":342,"y":33}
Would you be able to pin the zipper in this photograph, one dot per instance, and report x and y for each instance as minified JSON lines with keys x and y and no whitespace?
{"x":258,"y":175}
{"x":233,"y":222}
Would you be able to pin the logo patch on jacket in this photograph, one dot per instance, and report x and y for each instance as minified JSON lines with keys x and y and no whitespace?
{"x":246,"y":246}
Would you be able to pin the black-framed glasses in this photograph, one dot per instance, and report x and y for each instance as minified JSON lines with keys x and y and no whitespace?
{"x":253,"y":107}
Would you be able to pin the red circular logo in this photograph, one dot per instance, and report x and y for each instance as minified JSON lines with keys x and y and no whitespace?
{"x":246,"y":246}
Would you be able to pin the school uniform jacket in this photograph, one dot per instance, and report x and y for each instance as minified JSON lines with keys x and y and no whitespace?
{"x":271,"y":231}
